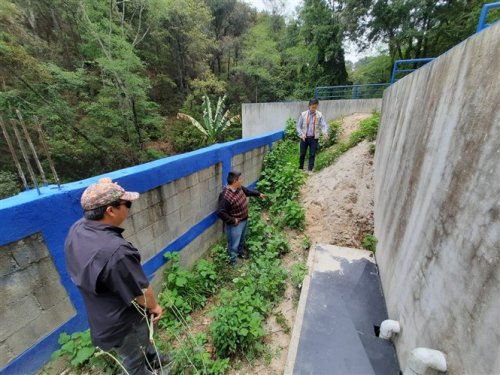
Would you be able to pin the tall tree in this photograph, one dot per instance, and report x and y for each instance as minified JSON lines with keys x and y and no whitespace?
{"x":259,"y":70}
{"x":322,"y":33}
{"x":411,"y":28}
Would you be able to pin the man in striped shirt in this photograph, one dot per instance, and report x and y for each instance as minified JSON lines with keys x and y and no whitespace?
{"x":233,"y":210}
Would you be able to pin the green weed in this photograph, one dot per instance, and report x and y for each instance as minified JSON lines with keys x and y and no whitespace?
{"x":369,"y":242}
{"x":80,"y":351}
{"x":299,"y":271}
{"x":306,"y":243}
{"x":281,"y":320}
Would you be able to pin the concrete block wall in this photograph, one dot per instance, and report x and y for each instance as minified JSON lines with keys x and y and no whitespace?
{"x":250,"y":163}
{"x":437,"y":206}
{"x":176,"y":212}
{"x":163,"y":214}
{"x":33,"y":299}
{"x":262,"y":118}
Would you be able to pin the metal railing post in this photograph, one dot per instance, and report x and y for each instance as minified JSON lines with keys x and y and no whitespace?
{"x":484,"y":14}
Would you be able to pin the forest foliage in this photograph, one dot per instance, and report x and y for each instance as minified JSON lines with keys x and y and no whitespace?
{"x":107,"y":78}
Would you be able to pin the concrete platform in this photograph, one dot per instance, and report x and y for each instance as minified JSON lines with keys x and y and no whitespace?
{"x":340,"y":305}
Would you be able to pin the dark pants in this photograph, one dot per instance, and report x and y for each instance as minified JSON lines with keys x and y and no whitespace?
{"x":312,"y":143}
{"x":134,"y":350}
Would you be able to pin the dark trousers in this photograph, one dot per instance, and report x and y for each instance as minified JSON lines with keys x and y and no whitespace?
{"x":312,"y":143}
{"x":135,"y":349}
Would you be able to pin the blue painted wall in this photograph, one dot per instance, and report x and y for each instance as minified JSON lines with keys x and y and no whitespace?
{"x":54,"y":211}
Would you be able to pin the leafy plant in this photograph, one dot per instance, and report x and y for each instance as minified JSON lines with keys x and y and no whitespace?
{"x":299,"y":271}
{"x":291,"y":215}
{"x":291,"y":130}
{"x":185,"y":283}
{"x":192,"y":357}
{"x":238,"y":321}
{"x":334,"y":130}
{"x":221,"y":259}
{"x":306,"y":243}
{"x":207,"y":276}
{"x":80,"y":351}
{"x":369,"y":242}
{"x":214,"y":123}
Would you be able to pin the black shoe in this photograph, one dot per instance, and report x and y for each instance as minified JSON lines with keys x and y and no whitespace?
{"x":243,"y":255}
{"x":159,"y":361}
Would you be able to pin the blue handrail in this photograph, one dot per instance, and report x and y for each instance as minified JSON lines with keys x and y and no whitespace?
{"x":484,"y":13}
{"x":361,"y":91}
{"x":395,"y":69}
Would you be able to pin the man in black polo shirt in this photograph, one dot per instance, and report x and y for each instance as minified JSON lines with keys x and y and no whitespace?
{"x":108,"y":273}
{"x":233,"y":210}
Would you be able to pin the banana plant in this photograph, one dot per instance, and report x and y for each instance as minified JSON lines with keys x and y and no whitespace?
{"x":214,"y":124}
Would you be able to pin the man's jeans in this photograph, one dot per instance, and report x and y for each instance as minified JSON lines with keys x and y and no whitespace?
{"x":236,"y":239}
{"x":312,"y":143}
{"x":134,"y":350}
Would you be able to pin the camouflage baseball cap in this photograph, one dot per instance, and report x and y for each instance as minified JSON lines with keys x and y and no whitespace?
{"x":105,"y":192}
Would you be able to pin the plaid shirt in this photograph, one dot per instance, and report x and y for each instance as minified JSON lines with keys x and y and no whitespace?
{"x":234,"y":204}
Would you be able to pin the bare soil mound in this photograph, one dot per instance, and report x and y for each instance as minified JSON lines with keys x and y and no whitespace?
{"x":339,"y":199}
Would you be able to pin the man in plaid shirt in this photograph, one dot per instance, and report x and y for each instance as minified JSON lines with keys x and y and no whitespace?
{"x":233,"y":210}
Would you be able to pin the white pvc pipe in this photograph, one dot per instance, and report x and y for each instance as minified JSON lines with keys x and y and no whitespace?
{"x":422,"y":358}
{"x":388,"y":327}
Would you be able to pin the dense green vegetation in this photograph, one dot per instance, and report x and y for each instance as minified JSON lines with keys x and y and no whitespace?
{"x":107,"y":78}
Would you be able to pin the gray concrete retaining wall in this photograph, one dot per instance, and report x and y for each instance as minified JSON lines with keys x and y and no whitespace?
{"x":261,"y":118}
{"x":437,"y":206}
{"x":34,"y":302}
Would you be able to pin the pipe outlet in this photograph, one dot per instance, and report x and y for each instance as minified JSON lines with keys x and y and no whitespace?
{"x":388,"y":327}
{"x":422,"y":358}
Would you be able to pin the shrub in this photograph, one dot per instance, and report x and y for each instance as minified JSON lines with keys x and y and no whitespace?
{"x":291,"y":130}
{"x":269,"y":277}
{"x":238,"y":321}
{"x":334,"y":130}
